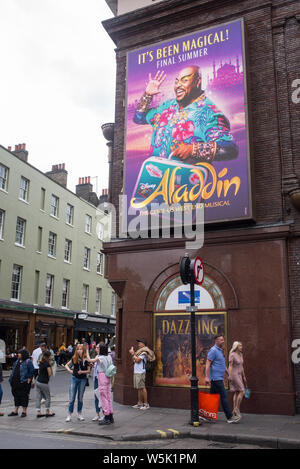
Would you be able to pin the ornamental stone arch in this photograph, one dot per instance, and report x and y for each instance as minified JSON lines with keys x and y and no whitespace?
{"x":217,"y":284}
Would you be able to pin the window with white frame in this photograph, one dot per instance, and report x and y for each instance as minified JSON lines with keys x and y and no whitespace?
{"x":52,"y":244}
{"x":65,"y":293}
{"x":85,"y":297}
{"x":24,"y":189}
{"x":3,"y":177}
{"x":100,"y":230}
{"x":86,"y":258}
{"x":113,"y":304}
{"x":16,"y":282}
{"x":70,"y":214}
{"x":20,"y":231}
{"x":68,"y":250}
{"x":100,"y":263}
{"x":54,"y":205}
{"x":2,"y":214}
{"x":49,"y":289}
{"x":88,"y":224}
{"x":98,"y":299}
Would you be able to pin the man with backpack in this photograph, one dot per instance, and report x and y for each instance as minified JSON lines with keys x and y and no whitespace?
{"x":140,"y":358}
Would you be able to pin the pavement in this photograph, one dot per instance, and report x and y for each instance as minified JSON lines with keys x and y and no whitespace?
{"x":269,"y":431}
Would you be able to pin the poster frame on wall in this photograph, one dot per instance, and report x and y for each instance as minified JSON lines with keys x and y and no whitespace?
{"x":249,"y":158}
{"x":187,"y":315}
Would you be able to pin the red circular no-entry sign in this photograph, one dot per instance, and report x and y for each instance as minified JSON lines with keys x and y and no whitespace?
{"x":198,"y":271}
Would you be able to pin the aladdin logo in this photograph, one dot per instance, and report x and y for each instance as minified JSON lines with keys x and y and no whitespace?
{"x":174,"y":195}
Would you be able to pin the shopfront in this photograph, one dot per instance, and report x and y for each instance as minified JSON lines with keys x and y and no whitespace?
{"x":94,"y":328}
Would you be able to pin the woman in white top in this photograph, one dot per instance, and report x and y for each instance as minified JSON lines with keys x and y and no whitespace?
{"x":103,"y":361}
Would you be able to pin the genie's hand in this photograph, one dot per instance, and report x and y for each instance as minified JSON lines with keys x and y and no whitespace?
{"x":182,"y":150}
{"x":153,"y":86}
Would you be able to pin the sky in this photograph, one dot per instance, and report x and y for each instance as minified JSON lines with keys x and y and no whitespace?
{"x":57,"y":84}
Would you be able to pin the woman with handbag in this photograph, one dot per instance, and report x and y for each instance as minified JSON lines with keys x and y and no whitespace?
{"x":237,"y":378}
{"x":104,"y":361}
{"x":20,"y":381}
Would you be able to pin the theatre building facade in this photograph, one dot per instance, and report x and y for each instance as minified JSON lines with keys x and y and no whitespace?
{"x":207,"y":116}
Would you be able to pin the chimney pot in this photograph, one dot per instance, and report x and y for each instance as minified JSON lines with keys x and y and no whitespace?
{"x":9,"y":148}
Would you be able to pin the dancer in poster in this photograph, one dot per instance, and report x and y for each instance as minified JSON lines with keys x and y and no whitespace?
{"x":190,"y":127}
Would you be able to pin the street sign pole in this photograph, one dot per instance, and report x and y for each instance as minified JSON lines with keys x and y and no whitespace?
{"x":192,"y":272}
{"x":194,"y":379}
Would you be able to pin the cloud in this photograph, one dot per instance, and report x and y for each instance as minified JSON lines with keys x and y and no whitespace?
{"x":57,"y":83}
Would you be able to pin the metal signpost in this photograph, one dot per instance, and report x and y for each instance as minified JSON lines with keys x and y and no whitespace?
{"x":192,"y":272}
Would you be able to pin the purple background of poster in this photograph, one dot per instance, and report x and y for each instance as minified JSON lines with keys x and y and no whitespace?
{"x":227,"y":57}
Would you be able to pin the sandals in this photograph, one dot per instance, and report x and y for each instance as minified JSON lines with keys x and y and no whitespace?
{"x":23,"y":415}
{"x":50,"y":415}
{"x":40,"y":415}
{"x":13,"y":414}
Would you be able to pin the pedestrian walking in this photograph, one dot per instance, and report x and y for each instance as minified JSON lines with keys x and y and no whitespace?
{"x":42,"y":384}
{"x":20,"y":381}
{"x":1,"y":390}
{"x":103,"y":361}
{"x":35,"y":358}
{"x":237,"y":378}
{"x":79,"y":368}
{"x":214,"y":375}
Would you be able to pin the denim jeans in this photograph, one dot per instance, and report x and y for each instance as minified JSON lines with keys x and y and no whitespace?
{"x":97,"y":403}
{"x":217,"y":387}
{"x":1,"y":393}
{"x":77,"y":386}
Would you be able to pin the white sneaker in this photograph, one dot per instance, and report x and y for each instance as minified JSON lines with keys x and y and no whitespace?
{"x":145,"y":407}
{"x":97,"y":417}
{"x":137,"y":406}
{"x":80,"y":417}
{"x":68,"y":419}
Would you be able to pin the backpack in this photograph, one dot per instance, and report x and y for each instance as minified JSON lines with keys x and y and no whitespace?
{"x":149,"y":366}
{"x":110,"y":371}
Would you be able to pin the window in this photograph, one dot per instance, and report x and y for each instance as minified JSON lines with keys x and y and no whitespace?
{"x":2,"y":213}
{"x":70,"y":214}
{"x":43,"y":196}
{"x":100,"y":263}
{"x":52,"y":244}
{"x":3,"y":177}
{"x":100,"y":231}
{"x":65,"y":293}
{"x":86,"y":258}
{"x":16,"y":282}
{"x":36,"y":286}
{"x":40,"y":238}
{"x":98,"y":299}
{"x":88,"y":224}
{"x":20,"y":231}
{"x":54,"y":205}
{"x":24,"y":189}
{"x":85,"y":297}
{"x":68,"y":250}
{"x":49,"y":289}
{"x":113,"y":304}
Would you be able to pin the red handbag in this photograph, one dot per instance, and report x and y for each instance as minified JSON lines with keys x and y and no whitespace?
{"x":208,"y":405}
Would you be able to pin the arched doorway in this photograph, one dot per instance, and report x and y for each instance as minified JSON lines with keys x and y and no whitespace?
{"x":171,"y":329}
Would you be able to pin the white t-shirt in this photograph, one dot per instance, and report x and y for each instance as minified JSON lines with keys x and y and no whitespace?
{"x":140,"y":367}
{"x":35,"y":356}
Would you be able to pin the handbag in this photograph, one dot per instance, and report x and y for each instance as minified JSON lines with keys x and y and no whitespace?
{"x":247,"y":393}
{"x":209,"y":405}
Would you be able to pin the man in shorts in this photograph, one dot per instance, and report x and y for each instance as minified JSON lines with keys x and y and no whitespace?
{"x":139,"y":374}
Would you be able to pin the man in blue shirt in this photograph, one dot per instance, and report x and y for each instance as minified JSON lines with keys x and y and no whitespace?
{"x":214,"y":375}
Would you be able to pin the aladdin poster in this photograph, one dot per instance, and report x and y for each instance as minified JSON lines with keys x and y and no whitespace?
{"x":173,"y":346}
{"x":187,"y":126}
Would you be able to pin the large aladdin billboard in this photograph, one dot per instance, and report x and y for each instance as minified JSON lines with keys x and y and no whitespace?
{"x":187,"y":140}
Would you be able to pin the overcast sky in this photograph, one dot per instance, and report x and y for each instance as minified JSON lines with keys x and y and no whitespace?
{"x":57,"y":84}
